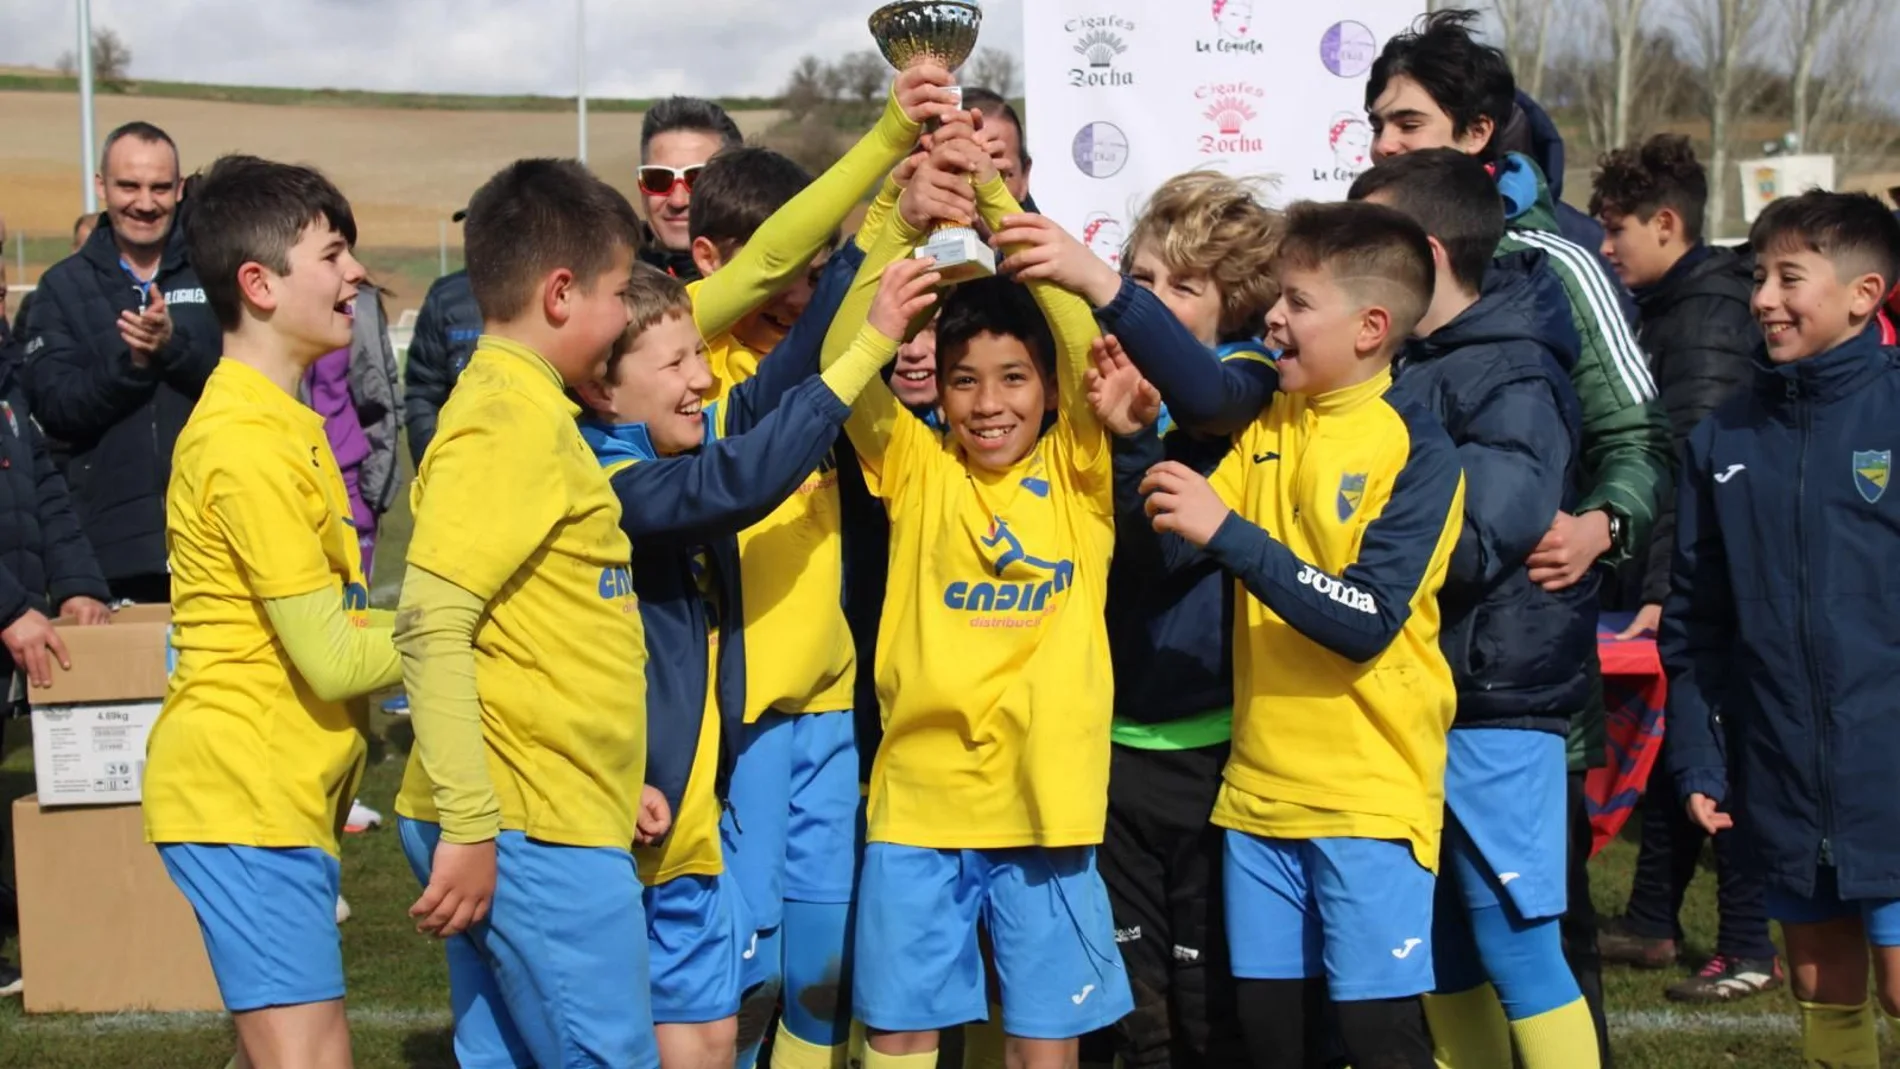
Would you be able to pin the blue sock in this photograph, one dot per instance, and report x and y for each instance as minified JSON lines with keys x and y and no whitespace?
{"x":817,"y":974}
{"x":1525,"y":961}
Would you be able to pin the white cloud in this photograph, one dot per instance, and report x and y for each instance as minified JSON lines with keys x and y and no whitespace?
{"x":644,"y":48}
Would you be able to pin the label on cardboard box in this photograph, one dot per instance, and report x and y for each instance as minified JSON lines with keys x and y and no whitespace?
{"x":91,"y":754}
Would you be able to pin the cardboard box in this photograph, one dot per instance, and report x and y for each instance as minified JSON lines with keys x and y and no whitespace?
{"x":90,"y":726}
{"x":102,"y":927}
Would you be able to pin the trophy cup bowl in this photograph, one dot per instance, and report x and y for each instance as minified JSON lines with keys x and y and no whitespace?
{"x":909,"y":32}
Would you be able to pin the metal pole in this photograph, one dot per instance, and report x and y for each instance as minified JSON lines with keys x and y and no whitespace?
{"x":86,"y":163}
{"x":580,"y":66}
{"x":442,"y":246}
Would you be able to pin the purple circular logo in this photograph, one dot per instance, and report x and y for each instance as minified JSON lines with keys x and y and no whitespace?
{"x":1100,"y":150}
{"x":1348,"y":49}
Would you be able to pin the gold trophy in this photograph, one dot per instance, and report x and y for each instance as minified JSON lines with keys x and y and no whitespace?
{"x":910,"y":32}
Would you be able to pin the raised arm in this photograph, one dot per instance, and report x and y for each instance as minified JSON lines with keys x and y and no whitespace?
{"x":1205,"y":391}
{"x":795,"y":358}
{"x":787,"y":241}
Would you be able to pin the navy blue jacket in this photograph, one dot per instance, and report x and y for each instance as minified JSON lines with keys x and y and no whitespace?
{"x":1781,"y":635}
{"x":1496,"y":379}
{"x":684,"y":514}
{"x":1205,"y":391}
{"x":44,"y":559}
{"x":117,"y":422}
{"x":446,"y":331}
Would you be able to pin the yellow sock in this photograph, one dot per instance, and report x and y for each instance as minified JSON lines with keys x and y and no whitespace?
{"x":1838,"y":1037}
{"x":1565,"y":1036}
{"x":874,"y":1060}
{"x":983,"y":1042}
{"x":791,"y":1052}
{"x":1469,"y":1030}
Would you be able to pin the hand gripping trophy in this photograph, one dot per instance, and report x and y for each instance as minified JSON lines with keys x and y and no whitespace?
{"x":910,"y":32}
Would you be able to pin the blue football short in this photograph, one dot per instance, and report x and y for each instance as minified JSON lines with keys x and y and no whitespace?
{"x":918,"y":962}
{"x":1356,"y":911}
{"x":697,"y":935}
{"x":268,"y":917}
{"x":1507,"y":806}
{"x":1881,"y":915}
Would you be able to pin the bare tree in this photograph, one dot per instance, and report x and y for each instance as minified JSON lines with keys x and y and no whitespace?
{"x":1724,"y":33}
{"x":1622,"y":77}
{"x":111,"y":58}
{"x":995,"y":70}
{"x":805,"y":89}
{"x":866,"y":76}
{"x":1526,"y":25}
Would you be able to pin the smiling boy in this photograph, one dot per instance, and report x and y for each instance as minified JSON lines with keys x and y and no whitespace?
{"x":1780,"y":631}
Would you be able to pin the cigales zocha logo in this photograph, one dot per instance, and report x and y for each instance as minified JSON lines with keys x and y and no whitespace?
{"x":1099,"y":42}
{"x":1100,"y":150}
{"x":1233,"y":19}
{"x":1230,"y":106}
{"x":1105,"y":236}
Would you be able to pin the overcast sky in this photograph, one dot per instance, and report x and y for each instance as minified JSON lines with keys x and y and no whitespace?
{"x":636,"y":48}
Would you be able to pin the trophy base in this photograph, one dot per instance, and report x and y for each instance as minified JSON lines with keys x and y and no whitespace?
{"x":960,"y":254}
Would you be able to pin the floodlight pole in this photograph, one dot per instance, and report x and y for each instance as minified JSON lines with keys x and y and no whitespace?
{"x":84,"y":52}
{"x":580,"y":65}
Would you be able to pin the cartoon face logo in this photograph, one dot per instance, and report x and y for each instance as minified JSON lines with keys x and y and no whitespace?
{"x":1872,"y":470}
{"x":1100,"y":150}
{"x":1105,"y":236}
{"x":1352,"y":491}
{"x":1100,"y":47}
{"x":1348,"y":49}
{"x":1351,"y":139}
{"x":1234,"y":17}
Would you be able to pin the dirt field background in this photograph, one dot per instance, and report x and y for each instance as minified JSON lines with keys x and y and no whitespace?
{"x":404,"y":171}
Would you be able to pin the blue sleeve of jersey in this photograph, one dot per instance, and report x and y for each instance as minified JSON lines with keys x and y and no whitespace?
{"x":795,"y":358}
{"x":1357,"y":613}
{"x":732,"y":483}
{"x":1698,"y":629}
{"x":1214,"y":396}
{"x":1515,"y":448}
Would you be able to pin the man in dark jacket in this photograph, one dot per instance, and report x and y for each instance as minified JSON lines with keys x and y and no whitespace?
{"x":1703,"y":342}
{"x":677,"y":137}
{"x":444,"y":338}
{"x":118,"y":348}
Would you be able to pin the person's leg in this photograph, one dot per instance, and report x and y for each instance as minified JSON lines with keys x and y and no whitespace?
{"x":1741,"y":910}
{"x":1206,"y":1029}
{"x":1273,"y":937}
{"x":1375,"y":908}
{"x":268,"y":917}
{"x":1467,"y":1022}
{"x":566,"y":938}
{"x":1052,"y":937}
{"x":1649,"y":934}
{"x":917,"y":968}
{"x":696,"y":933}
{"x":755,"y":827}
{"x":1578,"y":926}
{"x":821,"y":861}
{"x":485,"y":1036}
{"x":1826,"y":941}
{"x":1283,"y":1019}
{"x":1134,"y":873}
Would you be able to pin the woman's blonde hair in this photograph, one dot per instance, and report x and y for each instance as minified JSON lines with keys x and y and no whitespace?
{"x":1211,"y":225}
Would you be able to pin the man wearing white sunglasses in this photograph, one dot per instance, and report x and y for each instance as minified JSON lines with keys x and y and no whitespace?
{"x":676,"y":139}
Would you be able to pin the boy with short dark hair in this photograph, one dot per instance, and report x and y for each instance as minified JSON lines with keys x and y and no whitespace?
{"x":1337,"y":512}
{"x":1488,"y":368}
{"x":759,"y":225}
{"x":519,"y":805}
{"x":989,"y":790}
{"x":1779,"y":633}
{"x":1703,"y":343}
{"x":256,"y":755}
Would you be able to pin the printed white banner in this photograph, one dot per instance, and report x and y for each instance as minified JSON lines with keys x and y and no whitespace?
{"x":1125,"y":94}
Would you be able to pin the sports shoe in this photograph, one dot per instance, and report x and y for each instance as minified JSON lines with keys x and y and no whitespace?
{"x":397,"y":706}
{"x":362,"y":818}
{"x":342,"y":909}
{"x":11,"y":983}
{"x":1729,"y":980}
{"x":1615,"y":942}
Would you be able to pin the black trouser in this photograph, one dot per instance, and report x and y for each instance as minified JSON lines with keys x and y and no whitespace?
{"x":141,"y":589}
{"x":1161,"y":860}
{"x":1672,"y":847}
{"x":1579,"y":924}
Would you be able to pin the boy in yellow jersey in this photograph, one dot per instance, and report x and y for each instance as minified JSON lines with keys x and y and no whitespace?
{"x":758,"y":221}
{"x":522,"y":650}
{"x":990,"y":787}
{"x":257,"y":753}
{"x":1337,"y":511}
